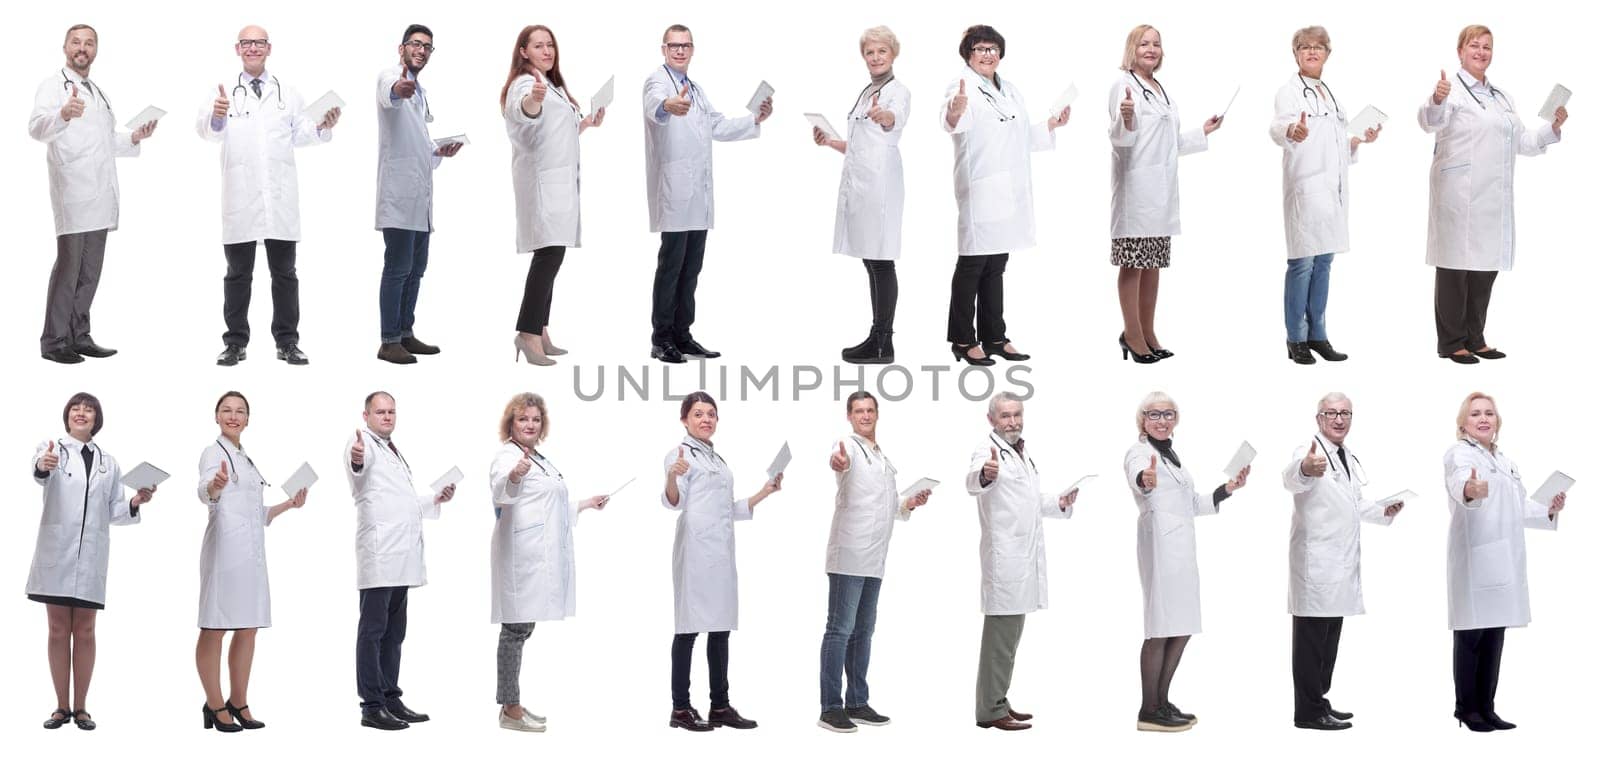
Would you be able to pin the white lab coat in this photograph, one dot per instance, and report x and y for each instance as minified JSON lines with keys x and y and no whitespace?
{"x":544,"y":167}
{"x":872,"y":185}
{"x":74,"y":546}
{"x":1144,"y":162}
{"x":389,"y":514}
{"x":705,"y":574}
{"x":993,"y":170}
{"x":81,"y":154}
{"x":677,"y":153}
{"x":1316,"y":172}
{"x":1169,"y":570}
{"x":1011,"y":513}
{"x":406,"y":158}
{"x":1487,"y":567}
{"x":234,"y":592}
{"x":1471,"y":223}
{"x":260,"y":191}
{"x":530,"y":556}
{"x":1325,"y":533}
{"x":864,"y":510}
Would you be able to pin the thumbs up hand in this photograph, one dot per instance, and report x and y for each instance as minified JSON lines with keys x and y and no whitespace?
{"x":73,"y":107}
{"x":880,"y":115}
{"x":358,"y":451}
{"x":49,"y":460}
{"x":219,"y":106}
{"x":1442,"y":89}
{"x":1147,"y":477}
{"x":405,"y":86}
{"x":1298,"y":130}
{"x":523,"y":466}
{"x":218,"y":482}
{"x":679,"y":104}
{"x":1476,"y":488}
{"x":681,"y":466}
{"x":1125,"y":108}
{"x":540,"y":89}
{"x":1314,"y":465}
{"x":839,"y":461}
{"x":991,"y":467}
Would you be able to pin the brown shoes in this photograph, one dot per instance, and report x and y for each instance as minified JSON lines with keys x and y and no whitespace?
{"x":689,"y":720}
{"x":1020,"y":715}
{"x":1007,"y":723}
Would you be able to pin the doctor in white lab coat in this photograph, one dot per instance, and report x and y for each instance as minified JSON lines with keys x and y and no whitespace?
{"x":705,"y":573}
{"x":1326,"y":478}
{"x":1487,"y":568}
{"x":83,"y":498}
{"x":1011,"y":511}
{"x":988,"y":121}
{"x":73,"y":117}
{"x":259,"y":123}
{"x":531,"y":562}
{"x":1169,"y":570}
{"x":872,"y":188}
{"x":234,"y":595}
{"x":1312,"y":128}
{"x":1471,"y":226}
{"x":407,"y":158}
{"x":389,"y":561}
{"x":1146,"y":141}
{"x":865,"y":508}
{"x":679,"y":125}
{"x":543,"y":121}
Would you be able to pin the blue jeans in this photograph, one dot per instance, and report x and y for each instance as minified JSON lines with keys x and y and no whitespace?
{"x":847,"y":642}
{"x":405,"y":258}
{"x":1305,"y":298}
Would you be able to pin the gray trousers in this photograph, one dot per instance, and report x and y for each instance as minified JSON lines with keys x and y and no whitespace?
{"x":73,"y":282}
{"x":508,"y":662}
{"x":997,"y":655}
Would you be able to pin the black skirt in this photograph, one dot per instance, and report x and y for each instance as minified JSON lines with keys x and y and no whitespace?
{"x":82,"y":604}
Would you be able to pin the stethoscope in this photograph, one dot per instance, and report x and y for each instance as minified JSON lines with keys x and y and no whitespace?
{"x":1494,"y":94}
{"x":1149,"y":96}
{"x":388,"y":445}
{"x":696,"y":450}
{"x":1360,"y":470}
{"x":674,"y":77}
{"x":99,"y":455}
{"x":536,"y":457}
{"x":241,"y":88}
{"x":864,"y":98}
{"x":868,"y":455}
{"x":1006,"y":450}
{"x":427,"y":110}
{"x":1004,"y":114}
{"x":233,"y":468}
{"x":94,"y":92}
{"x":1309,"y":94}
{"x":1494,"y":464}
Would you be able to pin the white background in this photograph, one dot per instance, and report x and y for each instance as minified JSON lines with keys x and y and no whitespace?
{"x":772,"y":294}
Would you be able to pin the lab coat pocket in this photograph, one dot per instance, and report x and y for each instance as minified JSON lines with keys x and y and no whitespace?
{"x":992,"y":198}
{"x":1322,"y":568}
{"x":679,"y":184}
{"x":556,"y":190}
{"x":1490,"y":564}
{"x":863,"y":173}
{"x":57,"y":541}
{"x":81,"y":179}
{"x":1171,"y":525}
{"x":1147,"y":188}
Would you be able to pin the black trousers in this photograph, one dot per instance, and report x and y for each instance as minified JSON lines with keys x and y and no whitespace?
{"x":1477,"y":669}
{"x":285,"y":292}
{"x":677,"y":273}
{"x":379,"y":634}
{"x":1316,"y":647}
{"x":884,"y":287}
{"x":539,"y":290}
{"x":1461,"y":308}
{"x":716,"y":662}
{"x":978,"y":279}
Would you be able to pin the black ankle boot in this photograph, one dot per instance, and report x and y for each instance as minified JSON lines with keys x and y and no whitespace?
{"x":877,"y":350}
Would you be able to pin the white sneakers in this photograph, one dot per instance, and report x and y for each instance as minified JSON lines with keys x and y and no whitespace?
{"x":528,"y":722}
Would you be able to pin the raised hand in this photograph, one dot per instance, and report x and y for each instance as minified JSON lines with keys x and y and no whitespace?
{"x":1125,"y":108}
{"x":49,"y":460}
{"x":839,"y":461}
{"x":1476,"y":488}
{"x":358,"y":451}
{"x":1298,"y":130}
{"x":1442,"y":89}
{"x":1147,"y":477}
{"x":523,"y":466}
{"x":219,"y":106}
{"x":681,"y":466}
{"x":880,"y":116}
{"x":679,"y":104}
{"x":1314,"y":465}
{"x":991,"y":467}
{"x":405,"y":87}
{"x":73,"y":107}
{"x":958,"y":104}
{"x":218,"y":482}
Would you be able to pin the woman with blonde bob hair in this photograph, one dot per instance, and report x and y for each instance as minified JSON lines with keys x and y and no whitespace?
{"x":1169,"y":571}
{"x":530,"y":555}
{"x":1487,"y":568}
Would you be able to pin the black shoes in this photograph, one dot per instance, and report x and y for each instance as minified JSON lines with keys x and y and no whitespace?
{"x":1477,"y":723}
{"x":1456,"y":357}
{"x":666,"y":353}
{"x":398,"y":709}
{"x":998,"y":349}
{"x":690,"y":348}
{"x":1322,"y":723}
{"x":865,"y":715}
{"x":689,"y":720}
{"x":291,"y":354}
{"x":1498,"y":723}
{"x":210,"y":719}
{"x":1340,"y":715}
{"x":834,"y":720}
{"x":1162,"y":720}
{"x":88,"y":348}
{"x":395,"y":352}
{"x":731,"y":718}
{"x":1147,"y":358}
{"x":1486,"y":354}
{"x":1326,"y":350}
{"x":416,"y":346}
{"x":1300,"y":352}
{"x":960,"y":351}
{"x":60,"y":717}
{"x":878,"y":349}
{"x":1173,"y":711}
{"x":232,"y":354}
{"x":380,"y":719}
{"x":66,"y":356}
{"x":238,"y":717}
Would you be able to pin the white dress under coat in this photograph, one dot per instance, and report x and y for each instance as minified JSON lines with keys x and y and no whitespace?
{"x":705,"y":574}
{"x":234,"y":592}
{"x":532,"y":568}
{"x":73,"y":550}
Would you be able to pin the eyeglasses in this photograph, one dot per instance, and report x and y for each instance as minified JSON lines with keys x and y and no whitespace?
{"x":417,"y":44}
{"x":1160,"y":415}
{"x":986,"y":51}
{"x":254,"y":43}
{"x":1336,"y":414}
{"x":680,"y":47}
{"x":1311,"y":48}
